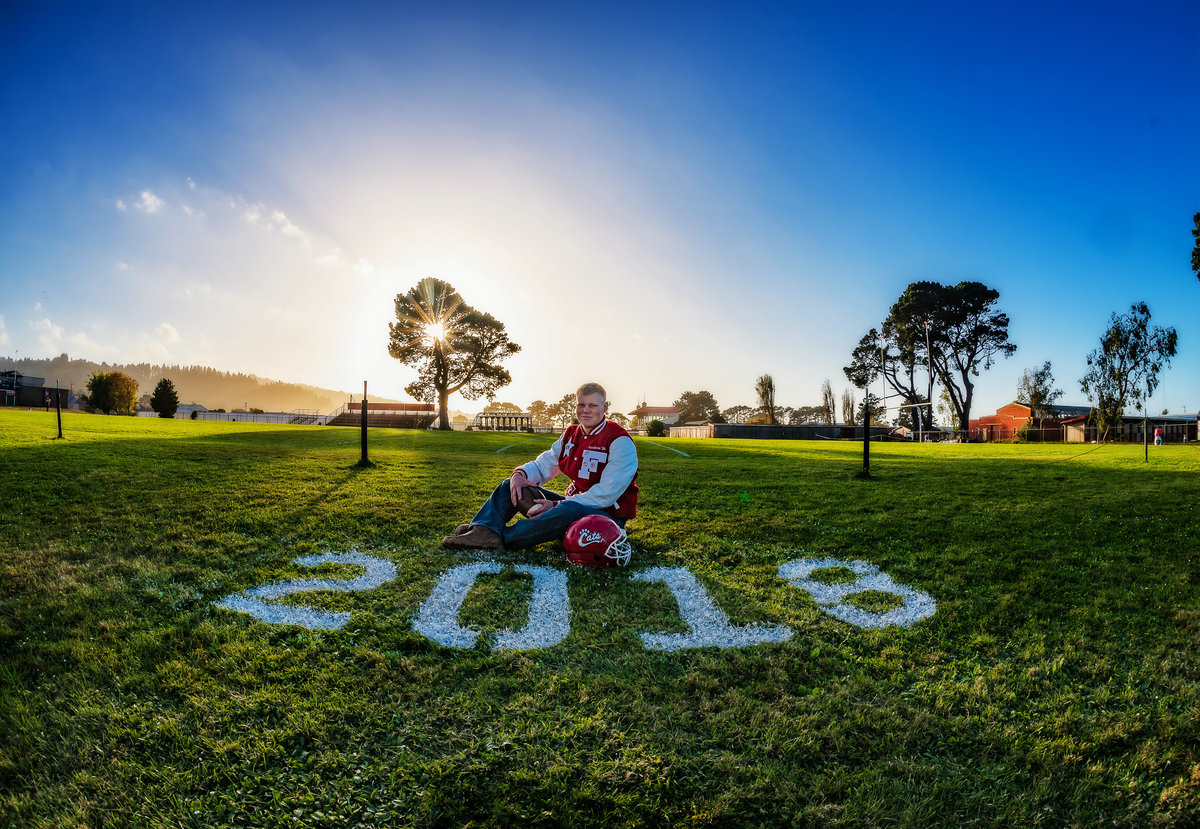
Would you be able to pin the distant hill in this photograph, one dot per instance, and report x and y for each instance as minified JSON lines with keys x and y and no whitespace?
{"x":194,"y":384}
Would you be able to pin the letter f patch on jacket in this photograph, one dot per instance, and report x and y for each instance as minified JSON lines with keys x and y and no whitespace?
{"x":591,"y":462}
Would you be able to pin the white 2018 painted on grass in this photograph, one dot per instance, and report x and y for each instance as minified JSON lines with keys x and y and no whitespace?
{"x":549,"y":609}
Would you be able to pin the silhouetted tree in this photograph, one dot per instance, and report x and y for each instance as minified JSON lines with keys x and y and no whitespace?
{"x":454,"y":347}
{"x":966,"y":333}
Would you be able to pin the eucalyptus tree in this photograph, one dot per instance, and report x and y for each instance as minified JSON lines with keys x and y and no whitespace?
{"x":848,"y":407}
{"x":1124,"y":368}
{"x":764,"y":388}
{"x":1036,"y":390}
{"x":828,"y":403}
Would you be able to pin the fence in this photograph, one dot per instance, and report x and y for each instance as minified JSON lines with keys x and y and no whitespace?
{"x":810,"y":431}
{"x":307,"y":417}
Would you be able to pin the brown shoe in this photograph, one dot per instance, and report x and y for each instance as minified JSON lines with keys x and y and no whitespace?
{"x":527,"y":498}
{"x":476,"y":538}
{"x":462,"y":528}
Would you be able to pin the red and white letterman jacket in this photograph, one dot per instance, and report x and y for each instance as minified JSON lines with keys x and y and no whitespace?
{"x":602,"y":467}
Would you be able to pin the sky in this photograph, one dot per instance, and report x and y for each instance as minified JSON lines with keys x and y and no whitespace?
{"x":661,"y":197}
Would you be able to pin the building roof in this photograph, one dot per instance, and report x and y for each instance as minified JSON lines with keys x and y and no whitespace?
{"x":1057,"y":411}
{"x":646,"y":410}
{"x":1140,"y":418}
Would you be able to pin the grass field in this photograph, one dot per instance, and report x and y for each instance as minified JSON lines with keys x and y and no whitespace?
{"x":1058,"y":682}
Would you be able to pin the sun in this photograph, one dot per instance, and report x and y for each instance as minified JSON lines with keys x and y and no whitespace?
{"x":435,"y":331}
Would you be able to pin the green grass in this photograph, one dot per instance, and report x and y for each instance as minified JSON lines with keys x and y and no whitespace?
{"x":1057,"y":684}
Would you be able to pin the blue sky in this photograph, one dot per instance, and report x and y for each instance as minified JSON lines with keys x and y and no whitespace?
{"x":662,"y":197}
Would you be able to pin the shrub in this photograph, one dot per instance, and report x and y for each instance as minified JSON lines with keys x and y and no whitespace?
{"x":656,"y":429}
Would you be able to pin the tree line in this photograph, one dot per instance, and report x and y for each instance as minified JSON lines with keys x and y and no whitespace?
{"x":194,"y":384}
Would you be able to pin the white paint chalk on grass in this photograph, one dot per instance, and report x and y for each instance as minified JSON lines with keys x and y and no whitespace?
{"x":549,"y":609}
{"x":707,"y":625}
{"x":518,"y":443}
{"x":549,"y":612}
{"x":669,"y":448}
{"x":260,"y":602}
{"x":832,"y":597}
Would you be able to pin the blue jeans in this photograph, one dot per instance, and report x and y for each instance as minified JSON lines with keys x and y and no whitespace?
{"x":550,"y":525}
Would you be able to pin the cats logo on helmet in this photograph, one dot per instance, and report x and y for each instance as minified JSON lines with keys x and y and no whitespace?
{"x":597,"y":541}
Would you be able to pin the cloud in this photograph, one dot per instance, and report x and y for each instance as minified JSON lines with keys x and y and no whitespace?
{"x":274,"y":220}
{"x":150,"y":202}
{"x":49,"y":335}
{"x":3,"y":332}
{"x":54,"y":338}
{"x":153,"y":352}
{"x":258,"y":214}
{"x":167,"y":332}
{"x":120,"y":205}
{"x":191,"y":184}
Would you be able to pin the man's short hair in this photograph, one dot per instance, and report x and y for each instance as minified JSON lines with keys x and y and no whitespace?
{"x":592,"y":388}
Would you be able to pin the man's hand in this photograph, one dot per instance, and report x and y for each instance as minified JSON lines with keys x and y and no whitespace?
{"x":516,"y":482}
{"x":539,"y":506}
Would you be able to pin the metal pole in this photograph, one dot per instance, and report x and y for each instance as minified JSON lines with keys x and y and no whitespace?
{"x":929,"y":367}
{"x":363,"y":460}
{"x":867,"y":435}
{"x":58,"y":408}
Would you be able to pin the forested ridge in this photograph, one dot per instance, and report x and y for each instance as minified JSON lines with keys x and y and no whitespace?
{"x":210,"y":387}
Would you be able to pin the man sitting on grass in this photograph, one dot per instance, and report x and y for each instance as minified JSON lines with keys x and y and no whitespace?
{"x":596,"y":454}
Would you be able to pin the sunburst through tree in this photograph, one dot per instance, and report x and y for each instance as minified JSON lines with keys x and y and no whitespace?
{"x":453,"y":347}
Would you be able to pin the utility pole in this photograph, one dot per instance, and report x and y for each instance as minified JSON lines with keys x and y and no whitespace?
{"x":58,"y":407}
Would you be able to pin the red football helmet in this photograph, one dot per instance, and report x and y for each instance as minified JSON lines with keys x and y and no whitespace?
{"x":597,"y":541}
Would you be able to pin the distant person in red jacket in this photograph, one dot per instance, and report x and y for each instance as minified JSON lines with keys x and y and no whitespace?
{"x":599,"y":458}
{"x":1158,"y":436}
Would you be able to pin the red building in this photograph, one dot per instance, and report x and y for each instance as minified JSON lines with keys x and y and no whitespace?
{"x":1017,"y":419}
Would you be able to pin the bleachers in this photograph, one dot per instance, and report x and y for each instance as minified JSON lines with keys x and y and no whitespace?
{"x":388,"y":415}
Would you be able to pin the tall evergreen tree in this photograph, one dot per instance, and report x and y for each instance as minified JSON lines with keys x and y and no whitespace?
{"x":165,"y":399}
